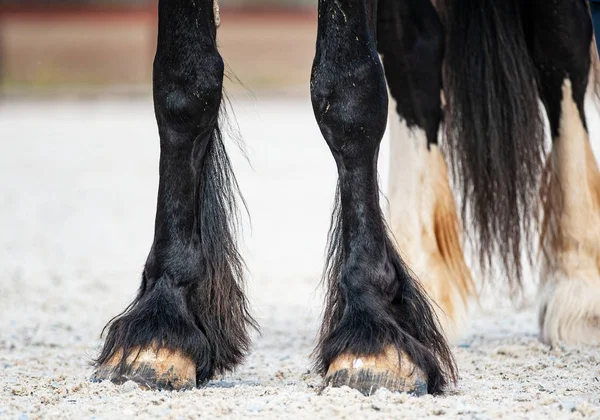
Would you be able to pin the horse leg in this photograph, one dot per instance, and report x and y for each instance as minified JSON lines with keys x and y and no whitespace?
{"x":422,"y":212}
{"x":379,"y":329}
{"x":570,"y":283}
{"x":189,"y":319}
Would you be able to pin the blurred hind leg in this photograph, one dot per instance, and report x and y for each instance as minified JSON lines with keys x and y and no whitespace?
{"x":570,"y":283}
{"x":422,"y":211}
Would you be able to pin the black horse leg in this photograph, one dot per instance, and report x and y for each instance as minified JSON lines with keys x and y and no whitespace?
{"x":422,"y":212}
{"x":190,"y":317}
{"x":570,"y":284}
{"x":379,"y":329}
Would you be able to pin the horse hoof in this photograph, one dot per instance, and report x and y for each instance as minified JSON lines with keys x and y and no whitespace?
{"x":150,"y":369}
{"x":367,"y":374}
{"x":570,"y":310}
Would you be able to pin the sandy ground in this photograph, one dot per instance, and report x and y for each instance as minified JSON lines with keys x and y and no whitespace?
{"x":77,"y":193}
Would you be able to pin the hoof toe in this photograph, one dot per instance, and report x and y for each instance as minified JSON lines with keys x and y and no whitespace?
{"x":150,"y":369}
{"x":367,"y":374}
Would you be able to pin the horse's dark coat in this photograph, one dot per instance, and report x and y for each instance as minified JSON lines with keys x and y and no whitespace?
{"x":410,"y":38}
{"x":559,"y":42}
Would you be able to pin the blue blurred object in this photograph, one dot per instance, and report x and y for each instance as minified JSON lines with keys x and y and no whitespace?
{"x":595,"y":9}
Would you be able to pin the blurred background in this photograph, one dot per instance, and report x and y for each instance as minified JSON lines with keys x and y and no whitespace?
{"x":106,"y":47}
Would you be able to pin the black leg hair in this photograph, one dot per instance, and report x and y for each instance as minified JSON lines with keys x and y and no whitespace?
{"x":372,"y":300}
{"x":191,"y":299}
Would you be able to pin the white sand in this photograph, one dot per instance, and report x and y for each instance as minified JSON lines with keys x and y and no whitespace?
{"x":77,"y":197}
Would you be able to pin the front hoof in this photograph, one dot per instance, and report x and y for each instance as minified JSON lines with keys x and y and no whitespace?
{"x":150,"y":369}
{"x":369,"y":373}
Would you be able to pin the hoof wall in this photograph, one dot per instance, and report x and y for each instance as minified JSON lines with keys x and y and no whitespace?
{"x":150,"y":369}
{"x":367,"y":374}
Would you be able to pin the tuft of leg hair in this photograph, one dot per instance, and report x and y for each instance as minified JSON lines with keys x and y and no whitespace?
{"x":570,"y":240}
{"x":407,"y":323}
{"x":570,"y":309}
{"x":220,"y":305}
{"x":156,"y":322}
{"x":206,"y":322}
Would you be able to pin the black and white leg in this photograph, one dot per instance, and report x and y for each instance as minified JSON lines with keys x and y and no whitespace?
{"x":422,"y":212}
{"x":570,"y":281}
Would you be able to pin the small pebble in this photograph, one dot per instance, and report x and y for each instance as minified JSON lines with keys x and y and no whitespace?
{"x":129,"y":386}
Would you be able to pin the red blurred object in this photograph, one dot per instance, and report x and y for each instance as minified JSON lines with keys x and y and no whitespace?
{"x":110,"y":48}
